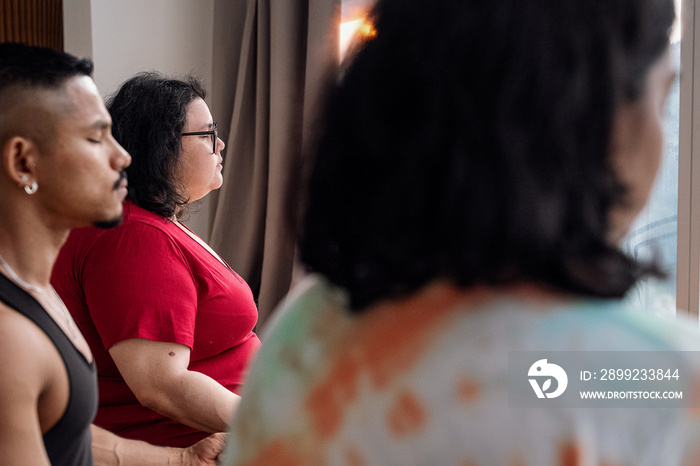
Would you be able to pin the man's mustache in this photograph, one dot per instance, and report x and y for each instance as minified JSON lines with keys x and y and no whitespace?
{"x":122,"y":176}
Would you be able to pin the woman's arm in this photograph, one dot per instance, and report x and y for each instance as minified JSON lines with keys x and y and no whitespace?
{"x":157,"y":374}
{"x":109,"y":449}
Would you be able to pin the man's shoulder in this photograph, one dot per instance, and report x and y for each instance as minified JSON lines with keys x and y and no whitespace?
{"x":24,"y":347}
{"x":34,"y":388}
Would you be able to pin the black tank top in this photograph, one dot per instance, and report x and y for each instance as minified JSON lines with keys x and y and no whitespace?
{"x":69,"y":441}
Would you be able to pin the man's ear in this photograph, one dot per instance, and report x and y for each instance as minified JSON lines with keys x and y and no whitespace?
{"x":18,"y":160}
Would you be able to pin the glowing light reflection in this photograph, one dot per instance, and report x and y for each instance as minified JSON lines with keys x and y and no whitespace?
{"x":349,"y":29}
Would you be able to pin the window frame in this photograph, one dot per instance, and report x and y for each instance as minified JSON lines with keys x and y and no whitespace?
{"x":688,"y":255}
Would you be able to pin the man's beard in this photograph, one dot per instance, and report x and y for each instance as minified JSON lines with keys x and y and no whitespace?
{"x":106,"y":224}
{"x":115,"y":222}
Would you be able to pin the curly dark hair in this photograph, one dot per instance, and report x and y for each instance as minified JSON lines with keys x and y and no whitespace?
{"x":148,"y":115}
{"x":469,"y":140}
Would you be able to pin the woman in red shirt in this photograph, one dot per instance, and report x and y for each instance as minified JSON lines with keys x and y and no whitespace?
{"x":170,"y":323}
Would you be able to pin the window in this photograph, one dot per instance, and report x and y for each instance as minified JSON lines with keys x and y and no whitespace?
{"x":682,"y":165}
{"x":655,"y":231}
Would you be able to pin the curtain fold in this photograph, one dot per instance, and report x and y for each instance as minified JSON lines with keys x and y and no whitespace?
{"x":271,"y":58}
{"x":33,"y":22}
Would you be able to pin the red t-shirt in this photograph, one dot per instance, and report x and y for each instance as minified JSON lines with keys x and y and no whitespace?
{"x":148,"y":279}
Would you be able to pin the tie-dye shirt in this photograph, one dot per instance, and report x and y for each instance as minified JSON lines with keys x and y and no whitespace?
{"x":423,"y":381}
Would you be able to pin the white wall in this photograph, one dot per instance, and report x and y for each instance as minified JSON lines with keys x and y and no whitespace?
{"x":124,"y":37}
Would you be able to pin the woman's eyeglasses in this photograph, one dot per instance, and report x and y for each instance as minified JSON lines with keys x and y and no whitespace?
{"x":213,"y":132}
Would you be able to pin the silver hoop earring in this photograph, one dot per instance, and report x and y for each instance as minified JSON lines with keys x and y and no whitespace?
{"x":31,"y":189}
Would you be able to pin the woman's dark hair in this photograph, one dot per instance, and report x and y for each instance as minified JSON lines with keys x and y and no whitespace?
{"x":469,"y":140}
{"x":148,"y":115}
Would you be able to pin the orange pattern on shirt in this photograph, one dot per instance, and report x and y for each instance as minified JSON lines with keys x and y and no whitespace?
{"x":277,"y":453}
{"x":468,"y":390}
{"x":353,"y":457}
{"x":407,"y":415}
{"x":569,"y":454}
{"x":383,"y":343}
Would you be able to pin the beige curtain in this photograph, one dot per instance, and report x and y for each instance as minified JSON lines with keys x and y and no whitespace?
{"x":270,"y":60}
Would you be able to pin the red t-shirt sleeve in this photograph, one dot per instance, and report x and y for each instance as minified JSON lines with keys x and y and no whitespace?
{"x":138,"y":284}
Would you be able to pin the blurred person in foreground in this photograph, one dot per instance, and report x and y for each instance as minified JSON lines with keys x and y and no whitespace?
{"x":477,"y":166}
{"x":61,"y":168}
{"x":170,"y":323}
